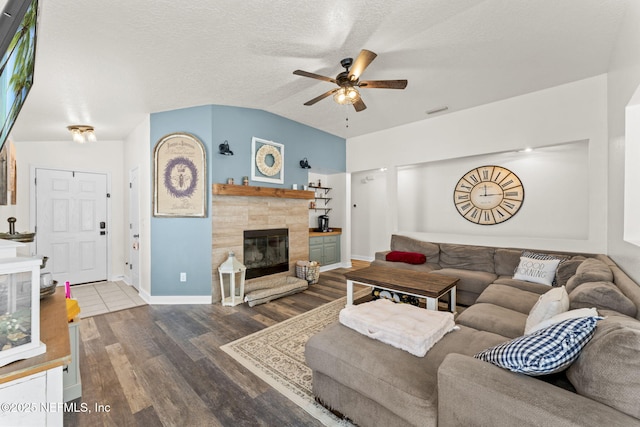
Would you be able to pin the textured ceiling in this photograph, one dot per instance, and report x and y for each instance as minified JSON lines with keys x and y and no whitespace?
{"x":108,"y":63}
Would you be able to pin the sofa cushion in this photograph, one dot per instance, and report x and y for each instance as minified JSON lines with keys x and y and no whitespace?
{"x":494,"y":319}
{"x":549,"y":304}
{"x":602,"y":295}
{"x":506,"y":260}
{"x":407,"y":257}
{"x":509,"y":297}
{"x":546,"y":351}
{"x":521,"y":284}
{"x":467,"y":257}
{"x":404,"y":384}
{"x":608,"y":370}
{"x":426,"y":267}
{"x":407,"y":244}
{"x":590,"y":270}
{"x":627,"y":285}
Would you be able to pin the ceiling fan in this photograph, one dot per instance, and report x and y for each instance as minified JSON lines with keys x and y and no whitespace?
{"x":349,"y":81}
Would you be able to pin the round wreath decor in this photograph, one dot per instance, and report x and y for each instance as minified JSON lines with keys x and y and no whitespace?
{"x":261,"y":157}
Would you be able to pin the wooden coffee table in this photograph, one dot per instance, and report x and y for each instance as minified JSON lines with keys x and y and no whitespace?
{"x":431,"y":286}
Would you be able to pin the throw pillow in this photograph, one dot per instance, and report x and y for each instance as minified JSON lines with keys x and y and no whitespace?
{"x":536,"y":270}
{"x":571,"y":314}
{"x":407,"y":257}
{"x":547,"y":351}
{"x":549,"y":304}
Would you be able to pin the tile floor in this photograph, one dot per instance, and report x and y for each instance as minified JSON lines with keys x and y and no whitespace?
{"x":103,"y":297}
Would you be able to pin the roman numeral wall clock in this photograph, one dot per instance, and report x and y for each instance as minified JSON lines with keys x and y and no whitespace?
{"x":488,"y":195}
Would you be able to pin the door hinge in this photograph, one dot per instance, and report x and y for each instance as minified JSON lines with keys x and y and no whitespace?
{"x":130,"y":266}
{"x":130,"y":185}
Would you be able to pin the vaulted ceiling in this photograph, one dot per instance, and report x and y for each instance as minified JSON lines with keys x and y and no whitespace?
{"x":108,"y":63}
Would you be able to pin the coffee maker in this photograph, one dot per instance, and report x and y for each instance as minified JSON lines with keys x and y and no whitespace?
{"x":323,"y":223}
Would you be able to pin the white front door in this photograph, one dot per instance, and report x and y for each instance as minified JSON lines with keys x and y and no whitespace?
{"x":71,"y":224}
{"x":134,"y":230}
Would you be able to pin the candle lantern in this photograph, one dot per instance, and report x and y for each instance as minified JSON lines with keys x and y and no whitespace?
{"x":234,"y":272}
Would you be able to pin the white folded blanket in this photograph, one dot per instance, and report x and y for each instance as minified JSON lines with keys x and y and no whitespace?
{"x":403,"y":326}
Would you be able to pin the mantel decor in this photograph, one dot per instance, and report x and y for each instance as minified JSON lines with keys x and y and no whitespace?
{"x":179,"y":177}
{"x":253,"y":191}
{"x":267,"y":161}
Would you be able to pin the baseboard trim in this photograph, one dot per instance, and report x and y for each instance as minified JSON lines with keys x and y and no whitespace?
{"x":118,"y":278}
{"x":363,"y":258}
{"x":174,"y":299}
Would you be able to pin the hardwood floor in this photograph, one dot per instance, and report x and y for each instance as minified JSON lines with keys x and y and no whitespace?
{"x":162,"y":365}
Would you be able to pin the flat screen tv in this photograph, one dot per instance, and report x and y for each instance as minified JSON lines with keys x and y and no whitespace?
{"x":18,"y":24}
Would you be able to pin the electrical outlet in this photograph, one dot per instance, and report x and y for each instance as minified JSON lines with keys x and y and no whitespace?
{"x":183,"y":277}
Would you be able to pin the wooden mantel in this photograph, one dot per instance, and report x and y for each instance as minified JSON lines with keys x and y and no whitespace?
{"x":253,"y":191}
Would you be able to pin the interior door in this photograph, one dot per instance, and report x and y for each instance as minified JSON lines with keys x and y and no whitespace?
{"x":71,"y":224}
{"x":134,"y":230}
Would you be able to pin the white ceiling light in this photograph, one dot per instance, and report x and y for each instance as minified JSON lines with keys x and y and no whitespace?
{"x":82,"y":133}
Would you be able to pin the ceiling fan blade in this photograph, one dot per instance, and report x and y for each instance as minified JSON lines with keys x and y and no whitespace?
{"x":314,"y":76}
{"x":383,"y":84}
{"x":359,"y":105}
{"x":321,"y":97}
{"x":361,"y":63}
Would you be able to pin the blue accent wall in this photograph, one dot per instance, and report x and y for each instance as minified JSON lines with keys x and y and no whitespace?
{"x":178,"y":244}
{"x":184,"y":244}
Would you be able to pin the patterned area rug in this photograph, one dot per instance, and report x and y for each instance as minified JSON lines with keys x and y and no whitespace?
{"x":276,"y":355}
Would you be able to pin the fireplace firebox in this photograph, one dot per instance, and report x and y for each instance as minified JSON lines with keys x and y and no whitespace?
{"x":266,"y":252}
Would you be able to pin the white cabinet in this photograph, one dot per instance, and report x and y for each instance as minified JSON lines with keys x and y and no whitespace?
{"x":32,"y":389}
{"x":71,"y":372}
{"x":35,"y":400}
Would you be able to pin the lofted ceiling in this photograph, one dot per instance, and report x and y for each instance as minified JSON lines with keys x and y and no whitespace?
{"x":110,"y":63}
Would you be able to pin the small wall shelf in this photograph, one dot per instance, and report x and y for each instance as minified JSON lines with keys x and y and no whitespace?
{"x":326,"y":210}
{"x":326,"y":200}
{"x":326,"y":189}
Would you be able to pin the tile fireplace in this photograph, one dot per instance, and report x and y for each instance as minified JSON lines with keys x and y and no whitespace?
{"x":257,"y":208}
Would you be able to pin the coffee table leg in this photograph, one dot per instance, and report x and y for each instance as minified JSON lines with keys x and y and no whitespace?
{"x":452,"y":300}
{"x":432,"y":303}
{"x":349,"y":292}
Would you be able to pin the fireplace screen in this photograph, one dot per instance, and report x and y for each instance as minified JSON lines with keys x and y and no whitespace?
{"x":266,"y":252}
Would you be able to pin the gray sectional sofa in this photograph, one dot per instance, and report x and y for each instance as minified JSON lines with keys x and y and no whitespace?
{"x":375,"y":384}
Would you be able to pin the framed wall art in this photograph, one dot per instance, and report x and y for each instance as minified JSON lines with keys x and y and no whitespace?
{"x":267,"y":161}
{"x":179,"y":177}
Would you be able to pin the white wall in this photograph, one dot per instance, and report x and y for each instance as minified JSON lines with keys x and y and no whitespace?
{"x":100,"y":157}
{"x":372,"y":213}
{"x":623,"y":81}
{"x":569,"y":113}
{"x":554,"y":192}
{"x":137,"y":154}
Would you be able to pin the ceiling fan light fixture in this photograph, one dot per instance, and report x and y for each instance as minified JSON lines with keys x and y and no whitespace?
{"x":346,"y":95}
